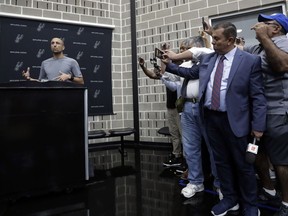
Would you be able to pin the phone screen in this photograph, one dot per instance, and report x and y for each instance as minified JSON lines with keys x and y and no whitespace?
{"x":158,"y":53}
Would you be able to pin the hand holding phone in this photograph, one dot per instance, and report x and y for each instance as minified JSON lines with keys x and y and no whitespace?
{"x":240,"y":41}
{"x":206,"y":27}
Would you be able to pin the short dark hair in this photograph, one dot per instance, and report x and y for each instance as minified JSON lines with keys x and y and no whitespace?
{"x":60,"y":38}
{"x":230,"y":29}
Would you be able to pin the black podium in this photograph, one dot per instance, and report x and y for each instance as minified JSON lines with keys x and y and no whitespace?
{"x":43,"y":137}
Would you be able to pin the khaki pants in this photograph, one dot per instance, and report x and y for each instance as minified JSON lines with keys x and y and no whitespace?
{"x":173,"y":119}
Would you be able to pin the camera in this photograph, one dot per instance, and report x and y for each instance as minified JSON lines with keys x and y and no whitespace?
{"x":153,"y":61}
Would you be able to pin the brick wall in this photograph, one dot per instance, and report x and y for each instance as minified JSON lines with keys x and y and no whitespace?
{"x":157,"y":21}
{"x":173,"y":21}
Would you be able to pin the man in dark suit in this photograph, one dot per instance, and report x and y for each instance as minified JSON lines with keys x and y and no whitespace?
{"x":238,"y":113}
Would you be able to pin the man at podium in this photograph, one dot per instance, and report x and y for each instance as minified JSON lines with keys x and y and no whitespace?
{"x":59,"y":67}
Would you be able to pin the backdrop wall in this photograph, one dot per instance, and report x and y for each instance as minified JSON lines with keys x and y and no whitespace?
{"x":26,"y":43}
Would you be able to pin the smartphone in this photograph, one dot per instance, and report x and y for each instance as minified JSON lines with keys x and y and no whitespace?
{"x":203,"y":23}
{"x":158,"y":53}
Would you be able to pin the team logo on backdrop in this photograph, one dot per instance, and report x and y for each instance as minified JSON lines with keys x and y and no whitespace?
{"x":96,"y":44}
{"x":18,"y":66}
{"x":40,"y":53}
{"x":96,"y":68}
{"x":80,"y":30}
{"x":18,"y":38}
{"x":40,"y":27}
{"x":96,"y":93}
{"x":79,"y":55}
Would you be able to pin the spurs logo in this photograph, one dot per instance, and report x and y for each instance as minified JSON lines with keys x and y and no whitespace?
{"x":40,"y":53}
{"x":97,"y":43}
{"x":79,"y":55}
{"x":80,"y":30}
{"x":18,"y":38}
{"x":40,"y":26}
{"x":96,"y":93}
{"x":18,"y":66}
{"x":96,"y":68}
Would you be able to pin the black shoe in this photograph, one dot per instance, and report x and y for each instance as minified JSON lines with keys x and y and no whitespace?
{"x":183,"y":174}
{"x":266,"y":198}
{"x":173,"y":161}
{"x":283,"y":211}
{"x":182,"y":168}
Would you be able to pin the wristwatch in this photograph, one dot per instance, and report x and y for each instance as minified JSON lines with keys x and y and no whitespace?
{"x":71,"y":77}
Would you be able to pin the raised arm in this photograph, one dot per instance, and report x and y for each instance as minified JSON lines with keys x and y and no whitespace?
{"x":189,"y":73}
{"x":147,"y":72}
{"x":277,"y":58}
{"x":178,"y":56}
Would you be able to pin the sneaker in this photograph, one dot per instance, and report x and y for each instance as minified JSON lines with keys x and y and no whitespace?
{"x":191,"y":189}
{"x":266,"y":198}
{"x":180,"y":173}
{"x":181,"y":168}
{"x":283,"y":211}
{"x":223,"y":207}
{"x":173,"y":161}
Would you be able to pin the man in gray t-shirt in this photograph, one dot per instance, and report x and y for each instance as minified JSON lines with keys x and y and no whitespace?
{"x":59,"y":67}
{"x":273,"y":29}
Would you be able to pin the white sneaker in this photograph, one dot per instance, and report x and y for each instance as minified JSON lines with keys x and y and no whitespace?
{"x":191,"y":189}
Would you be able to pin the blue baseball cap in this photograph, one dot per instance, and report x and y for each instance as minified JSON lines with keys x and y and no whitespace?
{"x":278,"y":17}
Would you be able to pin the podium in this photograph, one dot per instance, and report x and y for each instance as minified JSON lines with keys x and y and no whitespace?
{"x":43,"y":137}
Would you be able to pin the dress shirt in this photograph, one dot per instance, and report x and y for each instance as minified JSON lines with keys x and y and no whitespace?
{"x":192,"y":90}
{"x":174,"y":82}
{"x":226,"y":71}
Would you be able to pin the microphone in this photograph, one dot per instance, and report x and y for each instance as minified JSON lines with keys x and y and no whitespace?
{"x":251,"y":152}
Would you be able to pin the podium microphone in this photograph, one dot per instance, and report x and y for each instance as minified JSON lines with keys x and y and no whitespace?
{"x":251,"y":152}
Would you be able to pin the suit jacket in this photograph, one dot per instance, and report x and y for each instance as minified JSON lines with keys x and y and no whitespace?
{"x":245,"y":100}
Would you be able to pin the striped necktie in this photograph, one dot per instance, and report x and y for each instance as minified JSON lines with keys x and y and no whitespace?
{"x":215,"y":99}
